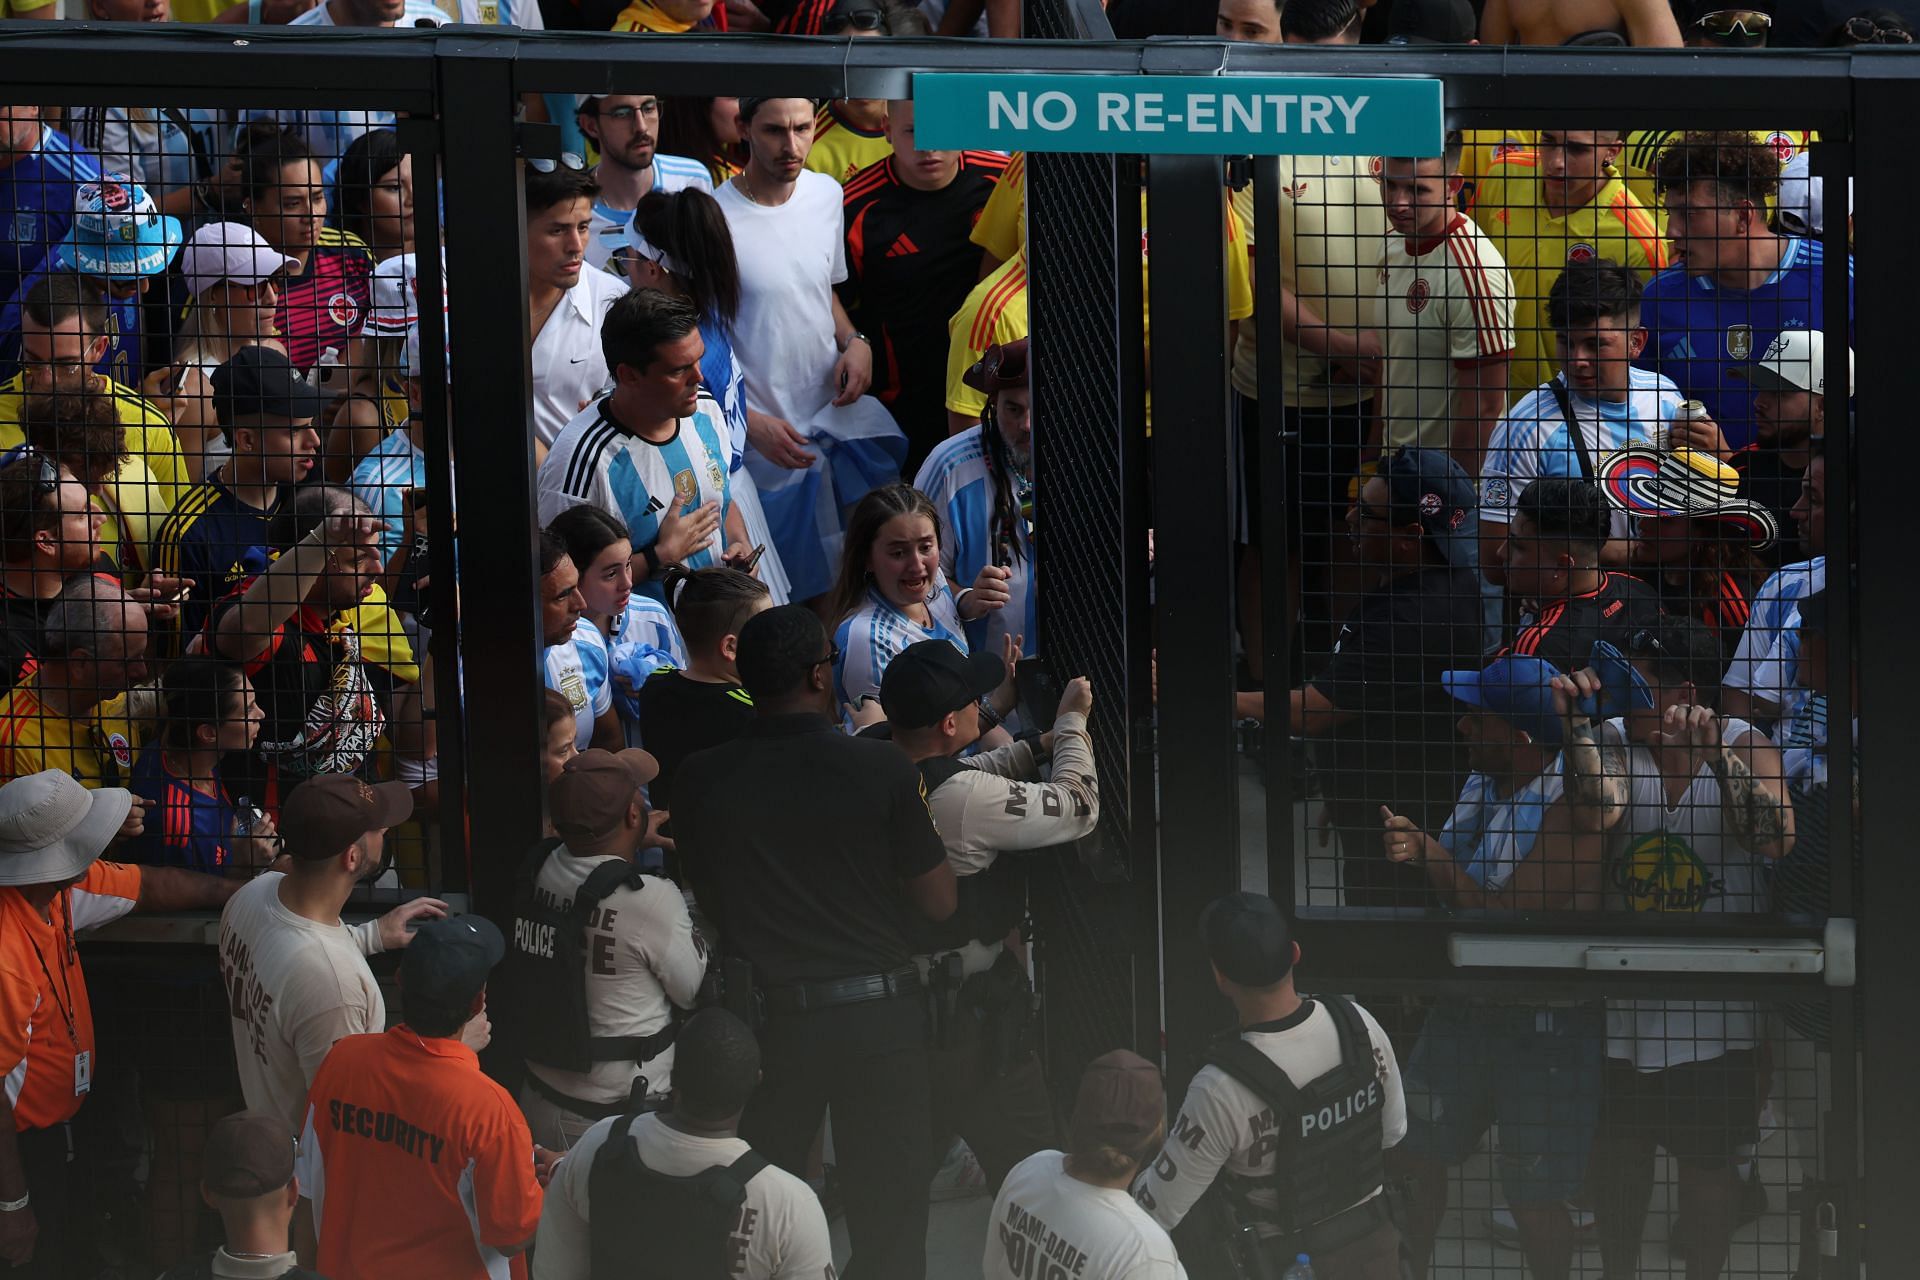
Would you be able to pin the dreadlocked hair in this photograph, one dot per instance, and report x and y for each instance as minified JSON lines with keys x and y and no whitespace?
{"x":1006,"y":507}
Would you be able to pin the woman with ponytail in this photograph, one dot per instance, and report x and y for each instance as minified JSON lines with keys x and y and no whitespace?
{"x":678,"y":243}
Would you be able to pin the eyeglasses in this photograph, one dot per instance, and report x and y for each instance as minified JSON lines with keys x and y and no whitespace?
{"x":46,"y":480}
{"x":833,"y":655}
{"x":861,"y":19}
{"x":625,"y":114}
{"x":568,"y":160}
{"x":1735,"y":26}
{"x":1863,"y":30}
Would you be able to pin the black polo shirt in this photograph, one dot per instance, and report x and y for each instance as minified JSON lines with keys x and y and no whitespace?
{"x":797,"y":838}
{"x":681,"y":717}
{"x":1564,"y":631}
{"x":1400,"y":749}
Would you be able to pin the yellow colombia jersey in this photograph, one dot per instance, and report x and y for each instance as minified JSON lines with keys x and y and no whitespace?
{"x":1002,"y":226}
{"x":98,"y":749}
{"x":841,"y":148}
{"x":1643,"y":149}
{"x":145,"y":488}
{"x":994,"y":312}
{"x":1484,"y":149}
{"x":1537,"y":246}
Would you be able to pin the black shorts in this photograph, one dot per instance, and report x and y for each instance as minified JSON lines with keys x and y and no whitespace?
{"x":1323,"y":457}
{"x":1699,"y":1111}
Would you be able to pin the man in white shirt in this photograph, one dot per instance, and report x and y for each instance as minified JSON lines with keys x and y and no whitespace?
{"x":1696,"y":804}
{"x":807,"y":368}
{"x":777,"y":1230}
{"x":643,"y":957}
{"x":1448,"y":310}
{"x":1301,"y":1185}
{"x":297,"y":978}
{"x":566,"y":300}
{"x":625,"y":128}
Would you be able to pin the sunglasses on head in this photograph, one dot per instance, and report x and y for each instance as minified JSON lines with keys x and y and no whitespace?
{"x":1735,"y":26}
{"x":46,"y":479}
{"x":860,"y":19}
{"x":1863,"y":30}
{"x":568,"y":160}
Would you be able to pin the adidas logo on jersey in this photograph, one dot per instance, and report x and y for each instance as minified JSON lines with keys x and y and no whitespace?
{"x":1681,"y":350}
{"x":902,"y":247}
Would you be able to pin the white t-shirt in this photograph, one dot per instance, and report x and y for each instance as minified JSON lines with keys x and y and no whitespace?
{"x":1046,"y":1222}
{"x":581,"y":672}
{"x":1221,"y":1120}
{"x":782,"y":1232}
{"x":791,"y":256}
{"x":569,"y":369}
{"x":295,"y":987}
{"x":1678,"y":859}
{"x":1443,"y":301}
{"x":642,"y":953}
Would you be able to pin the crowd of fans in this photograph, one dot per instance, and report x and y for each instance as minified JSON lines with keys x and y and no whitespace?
{"x":1555,"y":423}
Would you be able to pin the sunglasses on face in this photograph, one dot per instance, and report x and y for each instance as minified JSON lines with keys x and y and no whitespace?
{"x":568,"y":160}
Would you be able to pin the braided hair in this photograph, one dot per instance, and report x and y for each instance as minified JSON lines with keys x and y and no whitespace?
{"x":1004,"y":526}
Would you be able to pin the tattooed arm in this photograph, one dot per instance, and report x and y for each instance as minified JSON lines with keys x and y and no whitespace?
{"x":1753,"y":795}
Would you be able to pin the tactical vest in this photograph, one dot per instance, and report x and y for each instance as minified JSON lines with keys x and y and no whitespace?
{"x":541,"y":985}
{"x":991,"y":902}
{"x":647,"y":1224}
{"x":1328,"y":1158}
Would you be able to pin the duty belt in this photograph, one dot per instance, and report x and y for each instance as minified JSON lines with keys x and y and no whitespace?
{"x":591,"y":1110}
{"x":808,"y":997}
{"x":1330,"y":1235}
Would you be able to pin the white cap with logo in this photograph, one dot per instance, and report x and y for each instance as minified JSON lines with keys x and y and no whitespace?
{"x":1794,"y":361}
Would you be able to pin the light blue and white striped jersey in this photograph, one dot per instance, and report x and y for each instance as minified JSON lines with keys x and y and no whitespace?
{"x":725,"y":383}
{"x":579,"y":672}
{"x":645,"y":638}
{"x":670,"y":174}
{"x":955,"y":477}
{"x":876,"y":633}
{"x":1533,"y":440}
{"x":1766,"y":663}
{"x":594,"y":460}
{"x":381,"y":479}
{"x":37,"y":192}
{"x":1488,"y":835}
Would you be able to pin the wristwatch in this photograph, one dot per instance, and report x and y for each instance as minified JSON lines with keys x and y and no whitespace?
{"x":856,"y":335}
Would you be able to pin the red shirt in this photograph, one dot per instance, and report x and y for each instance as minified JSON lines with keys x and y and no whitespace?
{"x":325,"y":304}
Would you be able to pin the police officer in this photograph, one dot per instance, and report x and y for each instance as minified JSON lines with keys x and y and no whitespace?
{"x":600,"y":954}
{"x":816,"y":857}
{"x":988,"y":1083}
{"x":1287,"y":1121}
{"x":677,"y":1193}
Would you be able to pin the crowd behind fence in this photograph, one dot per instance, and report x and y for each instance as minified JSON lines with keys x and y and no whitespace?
{"x":1527,"y":446}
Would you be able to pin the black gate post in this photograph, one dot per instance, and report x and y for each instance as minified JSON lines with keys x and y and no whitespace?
{"x":1192,"y":515}
{"x":492,"y":434}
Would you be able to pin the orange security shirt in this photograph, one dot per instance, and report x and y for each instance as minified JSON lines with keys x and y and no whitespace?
{"x":417,"y":1164}
{"x":46,"y":1021}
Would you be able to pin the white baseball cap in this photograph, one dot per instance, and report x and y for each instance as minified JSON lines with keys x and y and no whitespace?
{"x":1794,"y":361}
{"x":230,"y":251}
{"x":396,"y":302}
{"x":1802,"y":205}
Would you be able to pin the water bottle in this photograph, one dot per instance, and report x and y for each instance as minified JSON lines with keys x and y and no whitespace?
{"x":1302,"y":1268}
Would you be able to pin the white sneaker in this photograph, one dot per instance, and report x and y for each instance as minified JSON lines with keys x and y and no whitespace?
{"x":960,"y":1176}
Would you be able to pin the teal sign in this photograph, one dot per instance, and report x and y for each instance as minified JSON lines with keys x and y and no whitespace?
{"x":1181,"y":115}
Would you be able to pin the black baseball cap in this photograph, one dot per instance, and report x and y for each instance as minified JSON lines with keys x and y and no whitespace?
{"x":260,"y":381}
{"x":1248,"y":939}
{"x":1431,"y":22}
{"x":448,"y":961}
{"x":931,"y":679}
{"x":1428,"y":486}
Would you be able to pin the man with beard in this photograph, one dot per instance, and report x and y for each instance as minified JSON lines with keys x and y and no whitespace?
{"x":296,"y":976}
{"x":981,"y":482}
{"x":625,"y":127}
{"x":1789,"y":413}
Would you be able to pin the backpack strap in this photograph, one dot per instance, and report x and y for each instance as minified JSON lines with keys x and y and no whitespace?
{"x":1258,"y":1072}
{"x":747,"y":1167}
{"x":601,"y":883}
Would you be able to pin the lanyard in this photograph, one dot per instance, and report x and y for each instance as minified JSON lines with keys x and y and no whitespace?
{"x":66,"y":1007}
